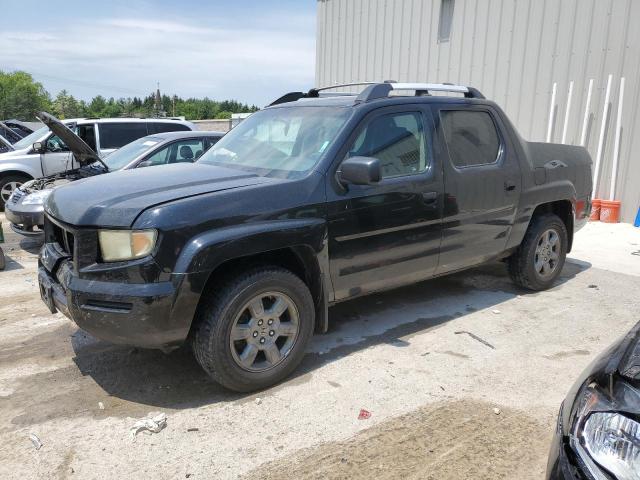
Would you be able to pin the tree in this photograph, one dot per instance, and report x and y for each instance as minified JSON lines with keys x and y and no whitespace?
{"x":66,"y":106}
{"x":97,"y":105}
{"x":21,"y":97}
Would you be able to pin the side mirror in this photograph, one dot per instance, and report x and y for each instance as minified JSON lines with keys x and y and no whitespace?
{"x":144,"y":163}
{"x":360,"y":171}
{"x":39,"y":147}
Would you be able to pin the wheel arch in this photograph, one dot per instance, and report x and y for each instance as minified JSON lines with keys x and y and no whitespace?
{"x":299,"y":246}
{"x":14,"y":171}
{"x":564,"y":209}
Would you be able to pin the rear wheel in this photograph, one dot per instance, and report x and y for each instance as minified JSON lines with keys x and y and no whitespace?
{"x":252,"y":332}
{"x":540,"y":257}
{"x":8,"y":184}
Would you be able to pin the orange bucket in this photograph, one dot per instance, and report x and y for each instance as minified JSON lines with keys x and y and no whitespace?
{"x":595,"y":210}
{"x":610,"y":211}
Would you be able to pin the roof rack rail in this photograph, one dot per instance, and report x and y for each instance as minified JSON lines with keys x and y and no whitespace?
{"x":376,"y":90}
{"x":382,"y":90}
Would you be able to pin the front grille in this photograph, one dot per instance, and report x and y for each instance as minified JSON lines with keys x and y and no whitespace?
{"x":64,"y":238}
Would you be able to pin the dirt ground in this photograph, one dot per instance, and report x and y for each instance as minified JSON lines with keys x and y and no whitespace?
{"x":430,"y":363}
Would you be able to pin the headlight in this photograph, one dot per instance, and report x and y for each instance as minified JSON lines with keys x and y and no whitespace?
{"x":117,"y":245}
{"x":613,"y":441}
{"x":37,"y":198}
{"x":605,"y":434}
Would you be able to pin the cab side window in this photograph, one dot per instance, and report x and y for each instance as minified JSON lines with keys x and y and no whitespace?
{"x":116,"y":135}
{"x":183,"y":151}
{"x":397,"y":140}
{"x":471,"y":136}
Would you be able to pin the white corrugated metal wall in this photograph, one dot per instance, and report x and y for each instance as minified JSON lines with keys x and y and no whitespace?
{"x":511,"y":50}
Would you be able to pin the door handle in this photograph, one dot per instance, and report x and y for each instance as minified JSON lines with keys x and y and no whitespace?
{"x":429,"y":197}
{"x":509,"y":186}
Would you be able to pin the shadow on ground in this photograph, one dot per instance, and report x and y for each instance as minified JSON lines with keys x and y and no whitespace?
{"x":176,"y":381}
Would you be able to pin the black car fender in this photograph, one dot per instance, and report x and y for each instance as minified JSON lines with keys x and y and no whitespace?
{"x":549,"y":197}
{"x":306,"y":238}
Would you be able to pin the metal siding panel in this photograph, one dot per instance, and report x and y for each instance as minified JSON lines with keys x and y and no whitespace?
{"x":529,"y":75}
{"x":480,"y":46}
{"x":518,"y":58}
{"x":618,"y":25}
{"x":629,"y":171}
{"x":512,"y":50}
{"x":504,"y":52}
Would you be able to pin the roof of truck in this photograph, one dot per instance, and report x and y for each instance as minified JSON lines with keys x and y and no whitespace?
{"x":387,"y":91}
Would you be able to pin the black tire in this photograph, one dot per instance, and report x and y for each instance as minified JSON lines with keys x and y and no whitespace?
{"x":217,"y":316}
{"x":8,"y":180}
{"x":522,"y":264}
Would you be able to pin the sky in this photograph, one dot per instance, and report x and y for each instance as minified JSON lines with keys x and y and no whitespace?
{"x":247,"y":50}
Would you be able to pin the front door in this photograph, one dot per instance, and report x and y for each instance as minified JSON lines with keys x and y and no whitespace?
{"x":387,"y":234}
{"x":57,"y":157}
{"x":481,"y":184}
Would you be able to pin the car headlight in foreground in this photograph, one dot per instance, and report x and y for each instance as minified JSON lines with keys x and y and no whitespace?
{"x":606,"y":430}
{"x":37,"y":198}
{"x":118,"y":245}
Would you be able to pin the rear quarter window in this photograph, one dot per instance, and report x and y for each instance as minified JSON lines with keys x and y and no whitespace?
{"x":116,"y":135}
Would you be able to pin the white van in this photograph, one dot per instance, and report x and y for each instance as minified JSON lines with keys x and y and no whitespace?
{"x":104,"y":135}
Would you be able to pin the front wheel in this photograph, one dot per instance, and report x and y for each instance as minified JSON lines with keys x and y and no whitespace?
{"x":8,"y":184}
{"x":540,"y":257}
{"x":252,"y":333}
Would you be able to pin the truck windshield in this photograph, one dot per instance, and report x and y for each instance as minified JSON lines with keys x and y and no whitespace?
{"x":285,"y":142}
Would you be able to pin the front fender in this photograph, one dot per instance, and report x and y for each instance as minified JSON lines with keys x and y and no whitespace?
{"x":30,"y":170}
{"x":204,"y":252}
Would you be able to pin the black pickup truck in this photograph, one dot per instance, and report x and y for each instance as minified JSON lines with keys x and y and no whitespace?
{"x":314,"y":200}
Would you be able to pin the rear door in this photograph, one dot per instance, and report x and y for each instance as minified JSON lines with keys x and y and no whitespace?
{"x":387,"y":234}
{"x":481,"y":184}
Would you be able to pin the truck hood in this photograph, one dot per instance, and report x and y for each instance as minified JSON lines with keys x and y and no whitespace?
{"x":116,"y":199}
{"x":84,"y":153}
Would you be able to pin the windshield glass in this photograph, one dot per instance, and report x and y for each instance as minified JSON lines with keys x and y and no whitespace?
{"x":282,"y":142}
{"x":29,"y":140}
{"x":121,"y":157}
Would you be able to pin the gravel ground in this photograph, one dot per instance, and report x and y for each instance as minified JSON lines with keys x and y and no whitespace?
{"x":429,"y":362}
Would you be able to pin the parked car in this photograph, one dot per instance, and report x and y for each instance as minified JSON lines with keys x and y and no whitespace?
{"x":5,"y":145}
{"x":25,"y":210}
{"x":22,"y":128}
{"x":598,"y":432}
{"x":302,"y":205}
{"x":103,"y":135}
{"x":12,"y":135}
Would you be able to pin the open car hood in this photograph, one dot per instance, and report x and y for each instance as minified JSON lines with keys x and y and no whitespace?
{"x":84,"y":154}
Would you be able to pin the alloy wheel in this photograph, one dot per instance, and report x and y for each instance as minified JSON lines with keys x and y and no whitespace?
{"x":547,"y":254}
{"x":264,"y":332}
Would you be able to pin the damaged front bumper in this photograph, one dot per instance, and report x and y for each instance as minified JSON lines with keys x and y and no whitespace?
{"x":112,"y":301}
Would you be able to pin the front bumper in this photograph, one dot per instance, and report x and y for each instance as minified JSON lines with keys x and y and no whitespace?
{"x":111,"y":302}
{"x":561,"y":462}
{"x":26,"y":220}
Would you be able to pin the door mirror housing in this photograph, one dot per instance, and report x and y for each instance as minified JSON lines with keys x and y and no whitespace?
{"x":39,"y":147}
{"x":144,"y":163}
{"x":360,"y":171}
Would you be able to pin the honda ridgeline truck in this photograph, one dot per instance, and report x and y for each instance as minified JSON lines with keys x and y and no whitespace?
{"x":314,"y":200}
